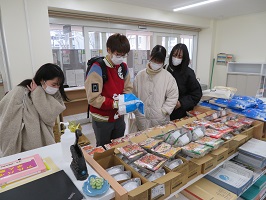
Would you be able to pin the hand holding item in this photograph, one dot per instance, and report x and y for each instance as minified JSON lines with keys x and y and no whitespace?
{"x":32,"y":86}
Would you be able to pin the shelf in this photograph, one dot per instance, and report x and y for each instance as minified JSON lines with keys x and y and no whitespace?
{"x":199,"y":177}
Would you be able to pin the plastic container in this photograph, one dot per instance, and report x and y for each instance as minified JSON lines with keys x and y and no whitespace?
{"x":67,"y":139}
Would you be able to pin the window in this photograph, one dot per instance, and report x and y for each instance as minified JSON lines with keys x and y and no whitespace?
{"x":69,"y":53}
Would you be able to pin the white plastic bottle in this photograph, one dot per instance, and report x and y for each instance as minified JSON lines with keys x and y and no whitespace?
{"x":67,"y":139}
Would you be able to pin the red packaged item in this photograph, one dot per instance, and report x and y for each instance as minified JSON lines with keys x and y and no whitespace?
{"x":131,"y":151}
{"x":246,"y":121}
{"x":213,"y":116}
{"x":203,"y":122}
{"x":149,"y":143}
{"x":221,"y":127}
{"x":150,"y":162}
{"x":112,"y":145}
{"x":166,"y":150}
{"x":221,"y":119}
{"x":91,"y":150}
{"x":235,"y":124}
{"x":193,"y":113}
{"x":214,"y":133}
{"x":232,"y":116}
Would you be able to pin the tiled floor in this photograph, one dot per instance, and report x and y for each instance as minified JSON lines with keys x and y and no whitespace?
{"x":86,"y":125}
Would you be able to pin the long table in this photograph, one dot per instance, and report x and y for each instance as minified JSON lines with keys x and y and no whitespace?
{"x":54,"y":151}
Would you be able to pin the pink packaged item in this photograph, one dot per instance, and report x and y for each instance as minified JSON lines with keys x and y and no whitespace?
{"x":22,"y":168}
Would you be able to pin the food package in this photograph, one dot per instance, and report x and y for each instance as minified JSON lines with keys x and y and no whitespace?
{"x":150,"y":162}
{"x":131,"y":184}
{"x":221,"y":119}
{"x":198,"y":131}
{"x":115,"y":169}
{"x":91,"y":150}
{"x":203,"y":122}
{"x":132,"y":151}
{"x":174,"y":163}
{"x":193,"y":113}
{"x":221,"y":127}
{"x":124,"y":175}
{"x":212,"y":142}
{"x":196,"y":150}
{"x":155,"y":175}
{"x":165,"y":150}
{"x":149,"y":143}
{"x":113,"y":144}
{"x":236,"y":125}
{"x":214,"y":133}
{"x":213,"y":116}
{"x":179,"y":137}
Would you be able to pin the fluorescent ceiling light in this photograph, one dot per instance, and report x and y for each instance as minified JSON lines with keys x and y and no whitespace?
{"x":194,"y":5}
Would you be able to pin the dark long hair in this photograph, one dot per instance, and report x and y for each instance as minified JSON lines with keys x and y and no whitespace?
{"x":185,"y":59}
{"x":46,"y":72}
{"x":158,"y":53}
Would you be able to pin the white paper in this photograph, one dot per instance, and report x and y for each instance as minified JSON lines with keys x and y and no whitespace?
{"x":79,"y":76}
{"x":71,"y":77}
{"x":255,"y":146}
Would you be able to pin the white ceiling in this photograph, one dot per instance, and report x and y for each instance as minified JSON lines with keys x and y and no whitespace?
{"x":217,"y":10}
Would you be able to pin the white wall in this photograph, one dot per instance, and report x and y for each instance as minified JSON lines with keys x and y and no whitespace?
{"x":26,"y":34}
{"x":244,"y":37}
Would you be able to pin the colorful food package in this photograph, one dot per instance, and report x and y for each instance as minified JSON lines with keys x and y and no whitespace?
{"x":196,"y":150}
{"x":91,"y":150}
{"x":246,"y":121}
{"x":236,"y":125}
{"x":165,"y":150}
{"x":150,"y":162}
{"x":223,"y":112}
{"x":203,"y":122}
{"x":221,"y":127}
{"x":179,"y":137}
{"x":112,"y":145}
{"x":126,"y":137}
{"x":212,"y":142}
{"x":193,"y":113}
{"x":213,"y":116}
{"x":132,"y":151}
{"x":149,"y":143}
{"x":214,"y":133}
{"x":221,"y":119}
{"x":198,"y":131}
{"x":232,"y":116}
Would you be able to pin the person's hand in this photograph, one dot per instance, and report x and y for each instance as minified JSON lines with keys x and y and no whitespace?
{"x":32,"y":86}
{"x":178,"y":105}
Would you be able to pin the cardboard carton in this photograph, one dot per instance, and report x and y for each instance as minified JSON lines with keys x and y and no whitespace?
{"x":248,"y":132}
{"x":207,"y":190}
{"x":207,"y":163}
{"x":219,"y":155}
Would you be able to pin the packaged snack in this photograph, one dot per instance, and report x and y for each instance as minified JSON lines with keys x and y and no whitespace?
{"x":223,"y":112}
{"x":157,"y":130}
{"x":196,"y":150}
{"x":115,"y":169}
{"x":91,"y":152}
{"x":131,"y":184}
{"x":214,"y":133}
{"x":246,"y":121}
{"x":213,"y":116}
{"x":221,"y":119}
{"x":209,"y":105}
{"x":122,"y":175}
{"x":221,"y":127}
{"x":193,"y":113}
{"x":198,"y":131}
{"x":227,"y":136}
{"x":134,"y":167}
{"x":212,"y":142}
{"x":117,"y":140}
{"x":240,"y":104}
{"x":132,"y":151}
{"x":255,"y":114}
{"x":127,"y":137}
{"x":150,"y":162}
{"x":172,"y":137}
{"x":149,"y":143}
{"x":232,"y":116}
{"x":174,"y":163}
{"x":203,"y":122}
{"x":165,"y":150}
{"x":235,"y":124}
{"x":112,"y":145}
{"x":155,"y":175}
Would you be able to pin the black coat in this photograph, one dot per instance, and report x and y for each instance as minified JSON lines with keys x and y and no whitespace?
{"x":189,"y":88}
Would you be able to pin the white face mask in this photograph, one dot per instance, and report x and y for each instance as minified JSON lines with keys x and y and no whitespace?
{"x":117,"y":60}
{"x":176,"y":61}
{"x":50,"y":90}
{"x":155,"y":66}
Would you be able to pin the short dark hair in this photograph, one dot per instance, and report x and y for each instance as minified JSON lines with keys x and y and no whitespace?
{"x":158,"y":53}
{"x":185,"y":59}
{"x":118,"y":42}
{"x":46,"y":72}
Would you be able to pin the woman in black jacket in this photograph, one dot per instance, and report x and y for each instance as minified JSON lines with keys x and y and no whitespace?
{"x":189,"y":88}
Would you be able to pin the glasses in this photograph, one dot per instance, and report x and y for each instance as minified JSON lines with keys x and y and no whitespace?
{"x":120,"y":56}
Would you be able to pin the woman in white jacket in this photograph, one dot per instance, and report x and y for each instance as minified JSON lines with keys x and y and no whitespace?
{"x":158,"y":90}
